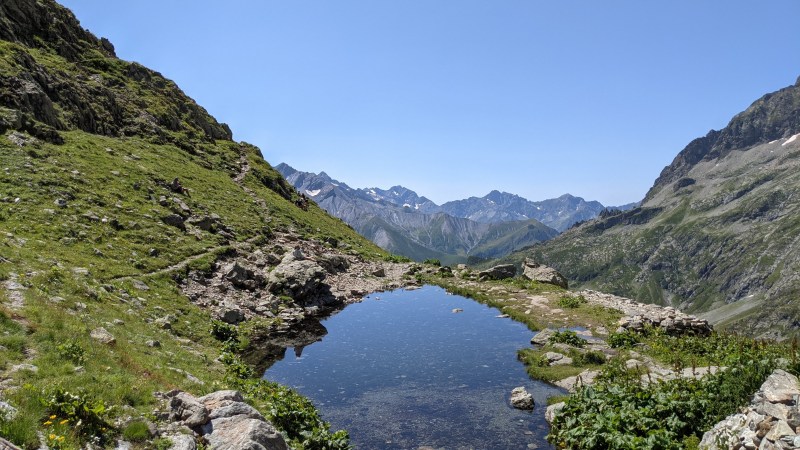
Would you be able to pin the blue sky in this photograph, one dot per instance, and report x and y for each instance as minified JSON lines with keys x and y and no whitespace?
{"x":454,"y":98}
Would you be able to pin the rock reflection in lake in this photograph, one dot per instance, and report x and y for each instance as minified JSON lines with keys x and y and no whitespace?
{"x":263,"y":353}
{"x":406,"y":372}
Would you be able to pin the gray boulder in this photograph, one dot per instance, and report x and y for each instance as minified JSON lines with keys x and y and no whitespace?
{"x":500,"y":272}
{"x":188,"y":410}
{"x":102,"y":336}
{"x":543,"y":274}
{"x":232,"y":315}
{"x":333,"y":263}
{"x":299,"y":279}
{"x":521,"y":398}
{"x":543,"y":337}
{"x":181,"y":442}
{"x":242,"y":432}
{"x":552,"y":411}
{"x":243,"y":277}
{"x":174,"y":220}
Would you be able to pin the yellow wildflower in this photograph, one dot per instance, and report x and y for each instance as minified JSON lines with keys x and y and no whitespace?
{"x":63,"y":422}
{"x":61,"y":439}
{"x":53,"y":417}
{"x":52,"y":436}
{"x":49,"y":422}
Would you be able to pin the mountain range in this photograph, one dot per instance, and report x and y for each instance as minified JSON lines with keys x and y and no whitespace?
{"x":717,"y":233}
{"x":470,"y":230}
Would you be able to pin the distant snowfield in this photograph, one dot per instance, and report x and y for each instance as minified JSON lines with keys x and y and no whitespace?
{"x":791,"y":139}
{"x":313,"y":193}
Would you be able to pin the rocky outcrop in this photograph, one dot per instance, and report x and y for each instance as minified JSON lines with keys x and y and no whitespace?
{"x":222,"y":419}
{"x":290,"y":280}
{"x":772,"y":421}
{"x":297,"y":277}
{"x":639,"y":315}
{"x":542,"y":274}
{"x":100,"y":94}
{"x":521,"y":398}
{"x":500,"y":272}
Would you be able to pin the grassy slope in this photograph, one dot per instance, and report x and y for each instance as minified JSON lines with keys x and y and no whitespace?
{"x":76,"y":264}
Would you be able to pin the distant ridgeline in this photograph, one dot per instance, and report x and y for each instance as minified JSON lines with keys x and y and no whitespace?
{"x":718,"y":233}
{"x":469,"y":230}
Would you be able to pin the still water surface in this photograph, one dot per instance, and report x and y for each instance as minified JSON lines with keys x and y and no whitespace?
{"x":401,"y":370}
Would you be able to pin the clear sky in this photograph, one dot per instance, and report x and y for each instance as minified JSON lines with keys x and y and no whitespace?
{"x":454,"y":98}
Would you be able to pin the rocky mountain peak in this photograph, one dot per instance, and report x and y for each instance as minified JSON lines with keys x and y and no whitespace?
{"x":46,"y":24}
{"x":82,"y":85}
{"x":773,"y":116}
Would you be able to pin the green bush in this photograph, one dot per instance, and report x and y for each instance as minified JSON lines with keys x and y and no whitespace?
{"x":568,"y":337}
{"x":570,"y":302}
{"x":72,"y":351}
{"x":224,"y":332}
{"x":625,"y":339}
{"x":590,"y":358}
{"x":621,"y":411}
{"x":136,"y":432}
{"x":84,"y":414}
{"x":432,"y":261}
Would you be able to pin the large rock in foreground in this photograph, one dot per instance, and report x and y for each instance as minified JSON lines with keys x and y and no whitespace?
{"x":770,"y":422}
{"x":542,"y":274}
{"x":224,"y":420}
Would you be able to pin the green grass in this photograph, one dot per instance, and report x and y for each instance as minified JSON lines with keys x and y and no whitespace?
{"x":46,"y":243}
{"x":537,"y":368}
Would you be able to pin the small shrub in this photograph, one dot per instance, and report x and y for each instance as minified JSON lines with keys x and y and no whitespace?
{"x":568,"y":337}
{"x":72,"y":351}
{"x":396,"y":259}
{"x":432,"y":261}
{"x":136,"y":432}
{"x":224,"y":332}
{"x":162,"y":443}
{"x":626,"y":339}
{"x":78,"y":410}
{"x":570,"y":302}
{"x":590,"y":358}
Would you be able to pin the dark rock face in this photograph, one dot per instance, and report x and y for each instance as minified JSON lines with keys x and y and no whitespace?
{"x":500,"y":272}
{"x":773,"y":116}
{"x":91,"y":90}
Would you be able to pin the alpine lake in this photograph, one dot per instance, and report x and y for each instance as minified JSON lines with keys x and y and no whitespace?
{"x":419,"y":369}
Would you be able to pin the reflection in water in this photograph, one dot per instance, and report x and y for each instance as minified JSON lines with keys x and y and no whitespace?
{"x":406,"y":372}
{"x":262,"y":353}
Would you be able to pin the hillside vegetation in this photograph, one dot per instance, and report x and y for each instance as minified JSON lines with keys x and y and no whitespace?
{"x":718,"y":233}
{"x":114,"y":186}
